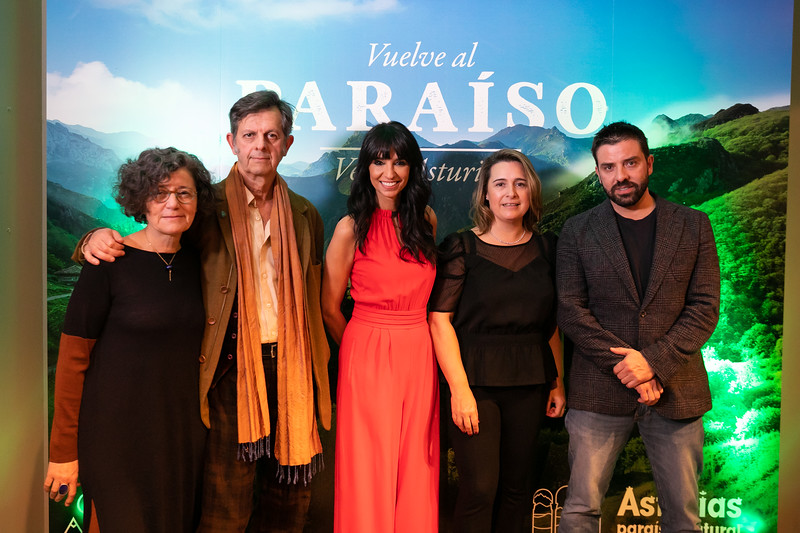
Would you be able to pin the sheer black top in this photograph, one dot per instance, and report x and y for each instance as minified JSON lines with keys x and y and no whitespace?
{"x":504,"y":302}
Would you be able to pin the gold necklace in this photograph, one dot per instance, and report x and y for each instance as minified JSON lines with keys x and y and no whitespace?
{"x":167,"y":265}
{"x":524,"y":232}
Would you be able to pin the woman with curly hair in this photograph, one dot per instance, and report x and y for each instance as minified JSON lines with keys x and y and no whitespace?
{"x":387,"y":434}
{"x":126,"y":417}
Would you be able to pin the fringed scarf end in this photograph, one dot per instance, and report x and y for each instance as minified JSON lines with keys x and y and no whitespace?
{"x":252,"y":451}
{"x":294,"y":474}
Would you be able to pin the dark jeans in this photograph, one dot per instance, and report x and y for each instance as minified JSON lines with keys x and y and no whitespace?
{"x":496,"y":465}
{"x":245,"y":496}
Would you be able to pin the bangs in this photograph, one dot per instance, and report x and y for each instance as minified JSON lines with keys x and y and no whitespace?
{"x":384,"y":138}
{"x":383,"y":150}
{"x":383,"y":144}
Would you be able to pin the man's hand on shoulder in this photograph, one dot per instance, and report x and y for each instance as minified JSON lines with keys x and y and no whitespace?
{"x":634,"y":369}
{"x":103,"y":244}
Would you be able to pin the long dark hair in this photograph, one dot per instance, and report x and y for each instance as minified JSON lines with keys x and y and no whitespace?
{"x":416,"y":233}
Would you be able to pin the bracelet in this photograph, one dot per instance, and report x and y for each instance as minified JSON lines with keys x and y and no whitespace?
{"x":85,"y":240}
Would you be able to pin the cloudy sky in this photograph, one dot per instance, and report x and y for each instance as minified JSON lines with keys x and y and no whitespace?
{"x":171,"y":69}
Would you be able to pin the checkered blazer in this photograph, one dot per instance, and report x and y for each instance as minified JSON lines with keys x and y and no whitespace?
{"x":599,"y":308}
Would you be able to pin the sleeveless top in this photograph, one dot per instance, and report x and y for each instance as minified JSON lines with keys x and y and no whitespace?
{"x":381,"y":280}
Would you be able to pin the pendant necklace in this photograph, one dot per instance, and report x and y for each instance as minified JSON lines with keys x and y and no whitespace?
{"x":524,"y":232}
{"x":167,"y":265}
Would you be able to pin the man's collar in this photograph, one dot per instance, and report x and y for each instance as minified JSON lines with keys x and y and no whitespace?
{"x":251,"y":200}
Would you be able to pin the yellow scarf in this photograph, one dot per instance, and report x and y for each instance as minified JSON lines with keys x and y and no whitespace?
{"x":297,"y":445}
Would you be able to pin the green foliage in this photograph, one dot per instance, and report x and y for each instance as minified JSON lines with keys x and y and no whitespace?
{"x":60,"y":244}
{"x":702,"y":169}
{"x":743,"y":356}
{"x":750,"y":229}
{"x":572,"y":201}
{"x":763,"y":136}
{"x":54,"y":264}
{"x":748,"y":469}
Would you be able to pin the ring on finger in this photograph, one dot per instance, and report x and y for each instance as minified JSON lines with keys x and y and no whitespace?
{"x":63,"y":488}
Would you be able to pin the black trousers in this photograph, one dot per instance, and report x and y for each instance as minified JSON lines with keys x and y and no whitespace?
{"x":243,"y":496}
{"x":496,"y":465}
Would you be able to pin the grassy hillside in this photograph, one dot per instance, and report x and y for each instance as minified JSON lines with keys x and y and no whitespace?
{"x":764,"y":136}
{"x":744,"y":355}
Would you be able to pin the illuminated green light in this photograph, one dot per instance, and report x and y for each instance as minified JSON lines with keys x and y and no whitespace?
{"x":751,"y":524}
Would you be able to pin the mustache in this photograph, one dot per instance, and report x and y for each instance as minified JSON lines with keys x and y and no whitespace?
{"x":626,"y":183}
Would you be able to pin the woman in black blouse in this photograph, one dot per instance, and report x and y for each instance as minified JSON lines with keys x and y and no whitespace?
{"x":493,"y":325}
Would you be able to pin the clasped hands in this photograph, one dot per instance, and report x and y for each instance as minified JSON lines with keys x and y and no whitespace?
{"x":636,"y":373}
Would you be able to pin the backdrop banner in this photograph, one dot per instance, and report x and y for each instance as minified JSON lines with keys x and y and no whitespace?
{"x":707,"y":82}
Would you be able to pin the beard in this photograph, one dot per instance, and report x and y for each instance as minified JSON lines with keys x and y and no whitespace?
{"x":629,"y":199}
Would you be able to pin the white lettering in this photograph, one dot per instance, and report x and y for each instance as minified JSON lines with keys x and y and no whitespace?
{"x":461,"y":59}
{"x":425,"y":59}
{"x":481,"y":108}
{"x":438,"y":109}
{"x":716,"y":507}
{"x":432,"y":102}
{"x":311,"y":94}
{"x":534,"y":114}
{"x":564,"y":108}
{"x":372,"y":55}
{"x":638,"y":528}
{"x":453,"y":173}
{"x":411,"y":59}
{"x":734,"y":508}
{"x":416,"y":51}
{"x":340,"y":172}
{"x":470,"y":61}
{"x":360,"y":105}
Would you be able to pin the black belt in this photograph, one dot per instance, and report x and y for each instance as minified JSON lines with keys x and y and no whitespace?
{"x":269,"y":349}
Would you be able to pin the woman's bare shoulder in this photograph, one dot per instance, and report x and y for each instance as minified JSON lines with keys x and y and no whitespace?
{"x":345,"y":226}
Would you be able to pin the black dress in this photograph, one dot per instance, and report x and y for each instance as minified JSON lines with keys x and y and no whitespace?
{"x":503,"y":300}
{"x":140,"y":436}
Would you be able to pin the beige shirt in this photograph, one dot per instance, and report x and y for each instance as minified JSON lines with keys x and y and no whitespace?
{"x":263,"y":264}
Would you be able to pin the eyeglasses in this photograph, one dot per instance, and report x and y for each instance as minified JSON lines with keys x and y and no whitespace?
{"x":183,"y":197}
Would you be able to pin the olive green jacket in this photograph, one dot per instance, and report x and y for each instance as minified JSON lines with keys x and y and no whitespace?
{"x":215,"y":242}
